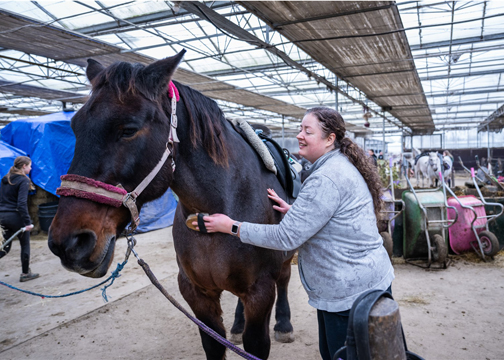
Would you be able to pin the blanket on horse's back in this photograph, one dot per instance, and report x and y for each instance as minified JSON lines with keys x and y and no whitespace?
{"x":274,"y":157}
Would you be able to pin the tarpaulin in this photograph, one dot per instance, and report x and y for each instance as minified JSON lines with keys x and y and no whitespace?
{"x":49,"y":141}
{"x":8,"y":154}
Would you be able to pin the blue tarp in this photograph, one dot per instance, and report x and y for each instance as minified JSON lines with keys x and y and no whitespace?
{"x":49,"y":141}
{"x":8,"y":154}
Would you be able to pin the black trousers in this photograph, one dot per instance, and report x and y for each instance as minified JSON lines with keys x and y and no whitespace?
{"x":333,"y":330}
{"x":12,"y":222}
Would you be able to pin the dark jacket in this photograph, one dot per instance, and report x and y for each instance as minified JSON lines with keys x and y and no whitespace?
{"x":14,"y":198}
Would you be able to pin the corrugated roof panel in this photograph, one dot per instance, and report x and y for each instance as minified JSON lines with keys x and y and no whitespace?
{"x":357,"y":38}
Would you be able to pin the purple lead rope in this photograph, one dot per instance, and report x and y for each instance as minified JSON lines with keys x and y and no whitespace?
{"x":201,"y":325}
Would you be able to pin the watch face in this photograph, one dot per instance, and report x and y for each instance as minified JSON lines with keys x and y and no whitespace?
{"x":234,"y":229}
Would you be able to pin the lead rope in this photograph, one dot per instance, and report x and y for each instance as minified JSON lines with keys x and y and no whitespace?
{"x":115,"y":274}
{"x":201,"y":325}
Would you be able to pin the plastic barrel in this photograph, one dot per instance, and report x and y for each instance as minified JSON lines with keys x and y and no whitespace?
{"x":46,"y":214}
{"x":48,"y":208}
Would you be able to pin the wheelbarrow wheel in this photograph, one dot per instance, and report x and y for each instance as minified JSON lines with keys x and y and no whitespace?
{"x":489,"y":242}
{"x":439,"y":249}
{"x":387,"y":243}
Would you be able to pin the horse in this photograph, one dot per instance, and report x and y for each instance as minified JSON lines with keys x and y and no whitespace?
{"x":121,"y":132}
{"x":428,"y":166}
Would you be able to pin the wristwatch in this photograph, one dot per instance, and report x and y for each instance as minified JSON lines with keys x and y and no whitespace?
{"x":235,"y":227}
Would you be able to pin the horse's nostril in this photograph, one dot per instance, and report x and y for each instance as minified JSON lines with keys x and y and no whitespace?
{"x":80,"y":244}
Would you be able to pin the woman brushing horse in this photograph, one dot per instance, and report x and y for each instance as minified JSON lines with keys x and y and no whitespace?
{"x":332,"y":222}
{"x":122,"y":132}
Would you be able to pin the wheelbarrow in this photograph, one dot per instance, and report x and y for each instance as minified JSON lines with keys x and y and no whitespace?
{"x":488,"y":175}
{"x":389,"y":214}
{"x":425,"y":222}
{"x":4,"y":244}
{"x":479,"y":182}
{"x":471,"y":230}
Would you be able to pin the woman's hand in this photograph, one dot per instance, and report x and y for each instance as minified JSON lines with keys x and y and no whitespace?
{"x":217,"y":223}
{"x":283,"y":206}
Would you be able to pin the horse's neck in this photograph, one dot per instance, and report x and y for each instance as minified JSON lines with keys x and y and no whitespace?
{"x":203,"y":185}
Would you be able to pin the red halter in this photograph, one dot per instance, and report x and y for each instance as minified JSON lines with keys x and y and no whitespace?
{"x":97,"y":191}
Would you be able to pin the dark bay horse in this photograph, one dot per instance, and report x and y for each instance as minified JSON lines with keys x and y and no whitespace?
{"x":121,"y":134}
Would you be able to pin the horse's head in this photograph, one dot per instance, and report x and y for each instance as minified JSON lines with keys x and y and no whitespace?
{"x":121,"y":134}
{"x":434,"y":161}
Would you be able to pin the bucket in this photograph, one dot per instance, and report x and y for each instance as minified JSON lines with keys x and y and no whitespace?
{"x":48,"y":208}
{"x":46,"y":214}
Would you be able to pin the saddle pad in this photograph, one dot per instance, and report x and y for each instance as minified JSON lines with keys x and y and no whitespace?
{"x":256,"y":143}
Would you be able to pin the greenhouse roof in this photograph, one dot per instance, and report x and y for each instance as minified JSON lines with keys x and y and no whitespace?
{"x":416,"y":67}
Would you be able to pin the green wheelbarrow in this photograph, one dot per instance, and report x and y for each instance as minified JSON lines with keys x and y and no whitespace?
{"x":425,"y":220}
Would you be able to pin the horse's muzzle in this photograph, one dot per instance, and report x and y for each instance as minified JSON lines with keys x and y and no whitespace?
{"x":79,"y":253}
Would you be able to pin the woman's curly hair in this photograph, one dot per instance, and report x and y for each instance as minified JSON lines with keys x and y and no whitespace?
{"x":332,"y":122}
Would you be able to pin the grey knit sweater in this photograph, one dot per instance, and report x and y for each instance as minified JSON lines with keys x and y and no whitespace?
{"x":333,"y":225}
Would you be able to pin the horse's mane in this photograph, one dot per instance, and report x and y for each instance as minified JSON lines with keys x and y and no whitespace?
{"x":207,"y":120}
{"x":211,"y":127}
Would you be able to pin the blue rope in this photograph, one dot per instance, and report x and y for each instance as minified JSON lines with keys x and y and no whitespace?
{"x":115,"y":274}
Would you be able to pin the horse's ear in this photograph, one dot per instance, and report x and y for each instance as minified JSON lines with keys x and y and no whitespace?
{"x":157,"y":75}
{"x":93,"y":68}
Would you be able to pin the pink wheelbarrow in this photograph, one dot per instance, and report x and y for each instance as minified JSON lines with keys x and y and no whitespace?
{"x":470,"y":231}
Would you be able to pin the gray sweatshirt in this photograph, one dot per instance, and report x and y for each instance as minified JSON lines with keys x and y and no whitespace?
{"x":333,"y":226}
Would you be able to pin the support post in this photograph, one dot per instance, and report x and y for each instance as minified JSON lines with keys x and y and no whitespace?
{"x":383,"y":137}
{"x":488,"y":144}
{"x":283,"y":131}
{"x":336,"y":103}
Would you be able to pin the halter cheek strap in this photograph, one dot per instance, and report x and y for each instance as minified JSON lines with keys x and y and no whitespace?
{"x":116,"y":196}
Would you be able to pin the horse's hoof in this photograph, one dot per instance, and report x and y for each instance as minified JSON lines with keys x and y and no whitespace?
{"x":284,"y":337}
{"x":236,"y":339}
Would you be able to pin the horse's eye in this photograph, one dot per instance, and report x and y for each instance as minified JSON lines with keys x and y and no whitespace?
{"x":128,"y":132}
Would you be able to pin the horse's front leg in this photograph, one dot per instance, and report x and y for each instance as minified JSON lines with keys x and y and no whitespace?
{"x":284,"y":331}
{"x":207,"y":308}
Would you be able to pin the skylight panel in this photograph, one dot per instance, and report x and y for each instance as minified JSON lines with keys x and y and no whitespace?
{"x":26,"y":8}
{"x":205,"y":65}
{"x":132,"y":9}
{"x":69,"y":12}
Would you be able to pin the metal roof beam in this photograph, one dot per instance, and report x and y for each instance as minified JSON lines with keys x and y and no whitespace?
{"x":457,"y":104}
{"x":483,"y":126}
{"x":476,"y":73}
{"x":452,"y":93}
{"x":454,"y":42}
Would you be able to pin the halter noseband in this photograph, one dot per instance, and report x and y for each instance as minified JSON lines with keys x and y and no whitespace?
{"x":116,"y":196}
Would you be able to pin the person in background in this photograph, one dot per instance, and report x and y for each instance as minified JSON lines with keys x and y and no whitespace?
{"x":373,"y":157}
{"x":14,"y":211}
{"x":332,"y":223}
{"x":447,"y":153}
{"x":380,"y":157}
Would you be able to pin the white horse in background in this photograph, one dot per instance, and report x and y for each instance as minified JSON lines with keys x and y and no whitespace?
{"x":428,"y":166}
